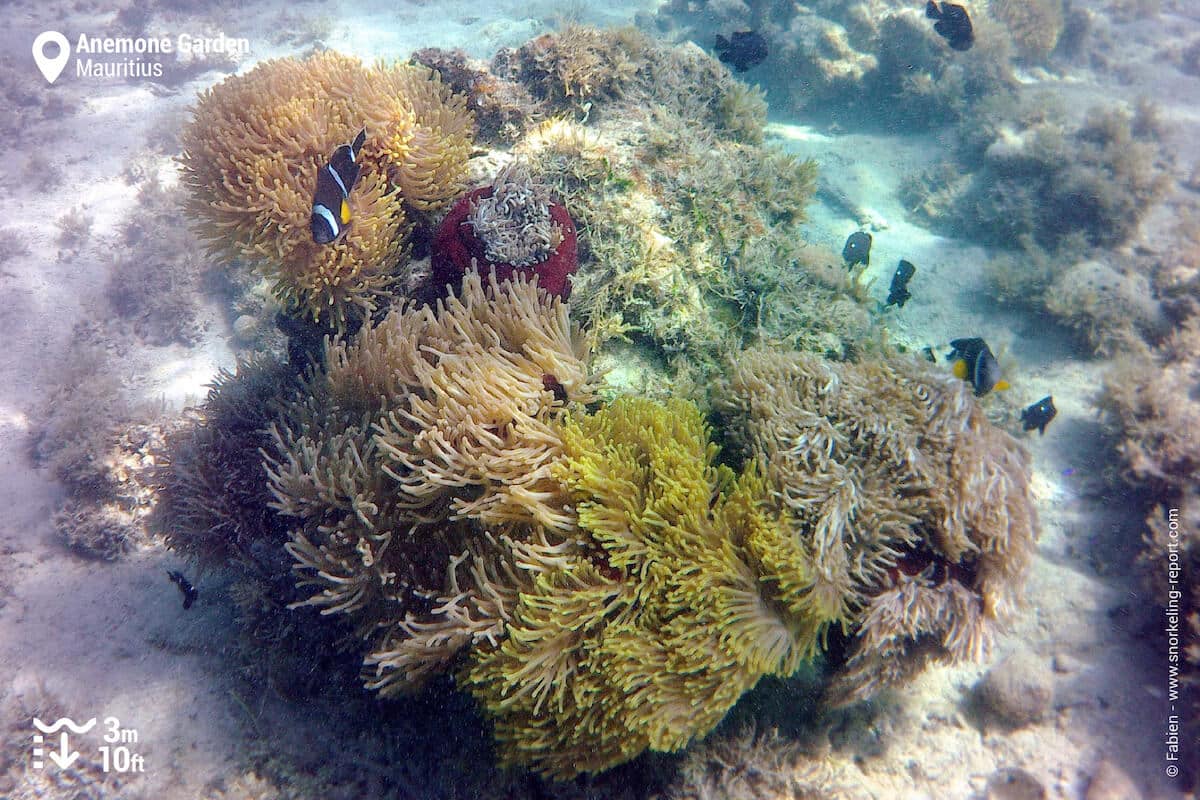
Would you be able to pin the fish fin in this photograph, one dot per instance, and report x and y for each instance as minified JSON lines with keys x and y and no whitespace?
{"x":345,"y":213}
{"x":359,"y":140}
{"x":960,"y":369}
{"x":1001,"y":385}
{"x":932,"y":11}
{"x":722,"y":43}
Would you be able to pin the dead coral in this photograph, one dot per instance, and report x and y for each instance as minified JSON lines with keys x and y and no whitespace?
{"x":754,"y":765}
{"x":74,"y":231}
{"x":156,"y":280}
{"x":1151,"y":404}
{"x":426,"y":429}
{"x":1034,"y":25}
{"x":110,"y":492}
{"x":743,"y":112}
{"x":917,"y":510}
{"x":1113,"y":309}
{"x":102,"y":450}
{"x":581,"y":71}
{"x":103,"y":532}
{"x":255,"y":144}
{"x":503,"y":108}
{"x":578,"y":64}
{"x":1036,"y":179}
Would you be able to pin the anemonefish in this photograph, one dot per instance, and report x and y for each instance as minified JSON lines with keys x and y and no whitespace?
{"x":335,"y":181}
{"x":974,"y":362}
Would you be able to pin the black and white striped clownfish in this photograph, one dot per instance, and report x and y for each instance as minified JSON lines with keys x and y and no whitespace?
{"x":335,"y":181}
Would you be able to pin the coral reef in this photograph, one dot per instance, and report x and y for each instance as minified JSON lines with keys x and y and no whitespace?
{"x":158,"y":273}
{"x":1028,"y":177}
{"x":1150,"y":404}
{"x":1034,"y":25}
{"x":917,"y":511}
{"x":690,"y":230}
{"x":256,"y":141}
{"x":416,"y":446}
{"x":502,"y":107}
{"x":91,"y":439}
{"x":512,"y":226}
{"x":851,"y":65}
{"x":678,"y":592}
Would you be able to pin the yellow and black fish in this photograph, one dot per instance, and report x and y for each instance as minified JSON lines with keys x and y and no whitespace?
{"x":331,"y":209}
{"x":974,"y":362}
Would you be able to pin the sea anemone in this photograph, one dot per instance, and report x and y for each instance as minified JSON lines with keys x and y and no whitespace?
{"x":511,"y":226}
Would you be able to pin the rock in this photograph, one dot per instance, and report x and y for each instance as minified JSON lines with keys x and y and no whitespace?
{"x":244,"y":327}
{"x":1014,"y":784}
{"x":1110,"y":782}
{"x":1018,"y":691}
{"x":1066,"y":664}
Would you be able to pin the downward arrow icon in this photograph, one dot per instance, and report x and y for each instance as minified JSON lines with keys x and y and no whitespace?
{"x":63,"y":758}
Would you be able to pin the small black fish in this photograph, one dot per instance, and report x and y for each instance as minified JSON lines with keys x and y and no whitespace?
{"x":857,"y":249}
{"x":975,"y":363}
{"x":1039,"y":415}
{"x":929,"y":356}
{"x":898,"y":294}
{"x":953,"y":24}
{"x":185,"y":587}
{"x":330,"y":210}
{"x":742,"y":50}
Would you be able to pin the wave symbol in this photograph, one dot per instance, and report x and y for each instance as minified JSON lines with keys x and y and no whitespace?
{"x":64,"y":722}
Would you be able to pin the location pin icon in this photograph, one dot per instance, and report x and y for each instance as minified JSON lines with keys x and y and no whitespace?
{"x":51,"y":67}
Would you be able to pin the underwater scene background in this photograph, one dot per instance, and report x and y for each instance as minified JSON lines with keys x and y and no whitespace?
{"x":725,"y":399}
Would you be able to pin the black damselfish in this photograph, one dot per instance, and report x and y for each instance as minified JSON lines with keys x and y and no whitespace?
{"x":953,"y":24}
{"x":857,"y":249}
{"x":331,"y":209}
{"x":188,"y":591}
{"x":898,"y":293}
{"x":742,"y":50}
{"x":1039,"y":415}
